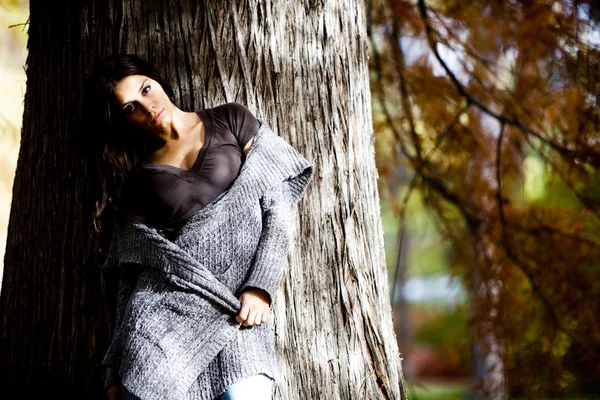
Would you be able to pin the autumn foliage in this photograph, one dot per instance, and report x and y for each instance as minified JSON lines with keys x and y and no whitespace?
{"x":493,"y":108}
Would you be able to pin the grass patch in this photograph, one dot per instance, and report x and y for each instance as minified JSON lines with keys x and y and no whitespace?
{"x":436,"y":390}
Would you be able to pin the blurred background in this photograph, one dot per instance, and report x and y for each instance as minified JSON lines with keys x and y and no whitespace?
{"x":13,"y":51}
{"x":487,"y":139}
{"x":487,"y":133}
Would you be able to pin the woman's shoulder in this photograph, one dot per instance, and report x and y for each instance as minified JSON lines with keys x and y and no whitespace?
{"x":230,"y":108}
{"x":235,"y":114}
{"x":239,"y":120}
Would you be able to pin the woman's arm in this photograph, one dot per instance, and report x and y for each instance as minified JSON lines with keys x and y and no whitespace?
{"x":279,"y":212}
{"x":125,"y":286}
{"x":241,"y":122}
{"x":279,"y":217}
{"x":248,"y":145}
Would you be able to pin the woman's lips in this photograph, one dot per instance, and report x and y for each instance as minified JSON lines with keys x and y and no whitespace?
{"x":158,"y":116}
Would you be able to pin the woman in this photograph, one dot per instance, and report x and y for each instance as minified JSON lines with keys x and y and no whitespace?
{"x":166,"y":167}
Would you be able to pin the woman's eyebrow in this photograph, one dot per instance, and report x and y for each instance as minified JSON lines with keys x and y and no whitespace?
{"x":127,"y":102}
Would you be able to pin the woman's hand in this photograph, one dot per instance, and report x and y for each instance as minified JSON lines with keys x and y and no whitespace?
{"x":255,"y":307}
{"x":116,"y":392}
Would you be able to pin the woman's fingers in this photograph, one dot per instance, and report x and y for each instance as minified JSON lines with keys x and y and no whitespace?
{"x":254,"y":310}
{"x":261,"y":317}
{"x":258,"y":318}
{"x":254,"y":317}
{"x":251,"y":317}
{"x":243,"y":315}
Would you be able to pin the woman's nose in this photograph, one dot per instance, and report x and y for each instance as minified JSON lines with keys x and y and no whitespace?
{"x":147,"y":107}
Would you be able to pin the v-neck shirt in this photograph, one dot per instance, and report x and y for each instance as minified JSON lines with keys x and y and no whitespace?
{"x":168,"y":196}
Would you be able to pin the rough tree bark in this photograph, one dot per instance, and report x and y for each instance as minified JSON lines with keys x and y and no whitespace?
{"x":301,"y":65}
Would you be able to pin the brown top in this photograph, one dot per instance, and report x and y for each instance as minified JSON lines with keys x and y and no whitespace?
{"x":169,"y":195}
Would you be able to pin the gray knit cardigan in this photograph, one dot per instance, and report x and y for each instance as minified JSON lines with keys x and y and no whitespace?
{"x":175,"y":335}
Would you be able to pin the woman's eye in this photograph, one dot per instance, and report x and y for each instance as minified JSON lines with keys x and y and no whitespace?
{"x":129,"y":107}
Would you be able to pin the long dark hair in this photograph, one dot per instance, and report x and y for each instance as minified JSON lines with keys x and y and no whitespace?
{"x":114,"y":146}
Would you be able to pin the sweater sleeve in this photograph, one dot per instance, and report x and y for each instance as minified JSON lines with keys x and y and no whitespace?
{"x":242,"y":123}
{"x":280,"y":211}
{"x":125,"y":286}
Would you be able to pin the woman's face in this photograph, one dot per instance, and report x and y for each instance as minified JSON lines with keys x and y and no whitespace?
{"x":143,"y":102}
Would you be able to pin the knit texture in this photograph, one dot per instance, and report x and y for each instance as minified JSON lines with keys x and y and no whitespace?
{"x":175,"y":335}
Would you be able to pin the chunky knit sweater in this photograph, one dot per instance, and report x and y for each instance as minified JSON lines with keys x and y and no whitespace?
{"x":175,"y":335}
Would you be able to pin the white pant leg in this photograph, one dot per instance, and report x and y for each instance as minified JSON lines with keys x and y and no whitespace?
{"x":256,"y":387}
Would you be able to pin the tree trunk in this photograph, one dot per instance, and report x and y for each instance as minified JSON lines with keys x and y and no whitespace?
{"x":399,"y":303}
{"x":487,"y":351}
{"x":303,"y":67}
{"x":488,"y":365}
